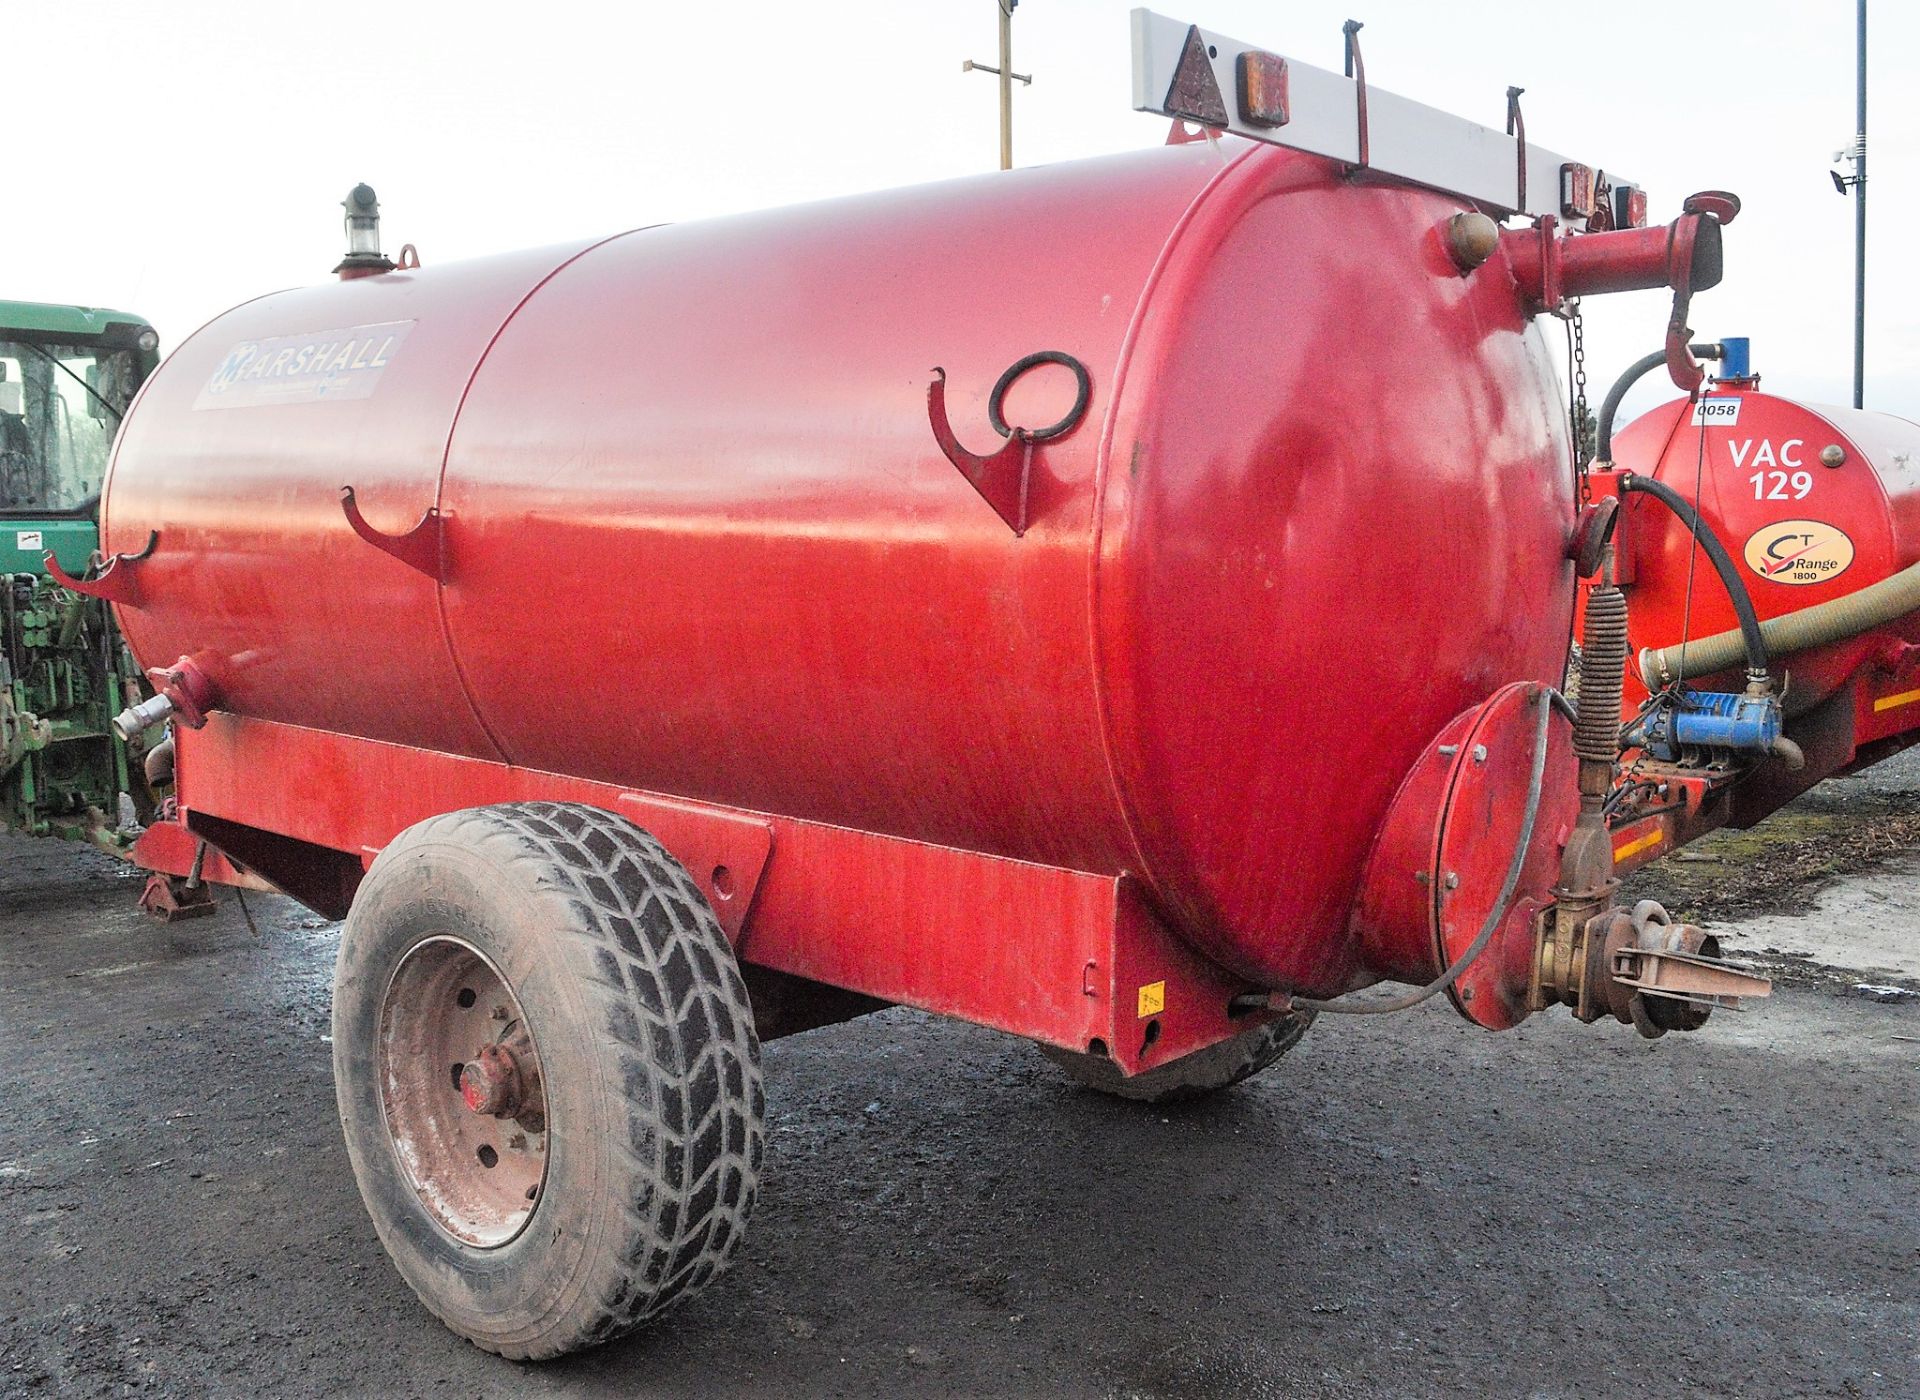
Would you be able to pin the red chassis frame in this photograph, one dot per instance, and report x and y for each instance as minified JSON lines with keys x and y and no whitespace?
{"x":1073,"y":959}
{"x":1873,"y":716}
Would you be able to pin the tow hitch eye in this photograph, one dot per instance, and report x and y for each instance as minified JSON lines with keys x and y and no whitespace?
{"x":1642,"y":968}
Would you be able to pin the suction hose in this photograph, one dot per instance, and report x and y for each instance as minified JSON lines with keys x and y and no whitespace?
{"x":1610,"y":406}
{"x":1832,"y":621}
{"x":1750,"y":641}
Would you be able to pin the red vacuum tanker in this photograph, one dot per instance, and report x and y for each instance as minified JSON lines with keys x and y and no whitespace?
{"x":1797,"y":581}
{"x":1121,"y":603}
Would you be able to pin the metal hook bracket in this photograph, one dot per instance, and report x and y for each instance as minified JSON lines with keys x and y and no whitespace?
{"x":1004,"y":478}
{"x":422,"y":547}
{"x":1517,"y":129}
{"x":1357,"y":70}
{"x":113,"y":583}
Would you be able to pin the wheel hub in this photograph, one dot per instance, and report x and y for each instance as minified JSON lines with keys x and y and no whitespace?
{"x":461,"y":1091}
{"x":503,"y":1081}
{"x":490,"y":1084}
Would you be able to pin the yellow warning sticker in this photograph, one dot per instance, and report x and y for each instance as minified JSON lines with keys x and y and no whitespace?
{"x":1894,"y":702}
{"x":1799,"y":551}
{"x":1153,"y":998}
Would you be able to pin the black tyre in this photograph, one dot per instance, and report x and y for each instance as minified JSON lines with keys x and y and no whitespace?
{"x":547,"y":1074}
{"x":1192,"y":1076}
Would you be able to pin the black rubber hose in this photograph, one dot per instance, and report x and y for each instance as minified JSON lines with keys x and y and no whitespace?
{"x":1610,"y":406}
{"x":1522,"y":848}
{"x":1722,"y":564}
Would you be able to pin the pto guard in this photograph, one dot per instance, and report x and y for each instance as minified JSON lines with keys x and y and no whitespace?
{"x":1443,"y":852}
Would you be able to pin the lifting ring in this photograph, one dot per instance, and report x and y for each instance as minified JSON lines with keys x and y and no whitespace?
{"x":1083,"y":390}
{"x":1003,"y":476}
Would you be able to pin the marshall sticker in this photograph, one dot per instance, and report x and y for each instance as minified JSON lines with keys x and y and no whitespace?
{"x":340,"y":364}
{"x":1799,"y":551}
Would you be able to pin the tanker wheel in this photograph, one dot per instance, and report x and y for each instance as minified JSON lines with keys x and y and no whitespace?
{"x":1192,"y":1076}
{"x":547,"y":1073}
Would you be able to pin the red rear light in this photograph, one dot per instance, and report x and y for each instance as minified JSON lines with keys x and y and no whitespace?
{"x":1630,"y":206}
{"x":1576,"y":190}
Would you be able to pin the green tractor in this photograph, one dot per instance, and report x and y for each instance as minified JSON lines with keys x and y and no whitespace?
{"x":67,"y":374}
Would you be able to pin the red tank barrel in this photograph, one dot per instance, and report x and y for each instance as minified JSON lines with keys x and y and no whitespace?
{"x":696,"y":511}
{"x":700,"y":538}
{"x":1818,"y":511}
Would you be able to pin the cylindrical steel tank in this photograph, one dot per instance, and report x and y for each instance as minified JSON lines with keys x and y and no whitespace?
{"x":1812,"y":502}
{"x":700,"y":538}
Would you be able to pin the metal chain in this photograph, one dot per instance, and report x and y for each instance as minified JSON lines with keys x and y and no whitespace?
{"x":1583,"y":424}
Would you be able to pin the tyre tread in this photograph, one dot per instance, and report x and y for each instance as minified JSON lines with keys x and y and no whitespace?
{"x":670,"y":1001}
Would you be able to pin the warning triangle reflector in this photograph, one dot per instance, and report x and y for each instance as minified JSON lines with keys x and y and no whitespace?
{"x":1195,"y":93}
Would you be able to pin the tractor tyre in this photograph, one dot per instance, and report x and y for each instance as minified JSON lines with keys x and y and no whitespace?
{"x":1192,"y":1076}
{"x":547,"y":1073}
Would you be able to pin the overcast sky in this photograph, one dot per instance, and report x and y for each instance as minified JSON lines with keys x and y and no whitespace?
{"x":174,"y":157}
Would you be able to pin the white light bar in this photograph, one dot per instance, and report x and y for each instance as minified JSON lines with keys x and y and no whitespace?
{"x":1405,"y":139}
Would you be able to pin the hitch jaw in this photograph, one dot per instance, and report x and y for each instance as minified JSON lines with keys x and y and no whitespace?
{"x":1641,"y":968}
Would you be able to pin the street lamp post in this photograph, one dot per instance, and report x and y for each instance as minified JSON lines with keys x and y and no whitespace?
{"x":1857,"y":182}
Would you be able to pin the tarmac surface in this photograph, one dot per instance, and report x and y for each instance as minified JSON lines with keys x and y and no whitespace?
{"x":1404,"y":1206}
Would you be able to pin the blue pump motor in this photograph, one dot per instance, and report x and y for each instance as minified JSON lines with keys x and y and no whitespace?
{"x":1707,"y":720}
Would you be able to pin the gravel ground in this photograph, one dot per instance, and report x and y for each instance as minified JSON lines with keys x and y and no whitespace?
{"x":1404,"y":1206}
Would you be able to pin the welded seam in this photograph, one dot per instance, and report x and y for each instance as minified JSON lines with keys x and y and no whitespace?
{"x":440,"y":483}
{"x":1103,"y":465}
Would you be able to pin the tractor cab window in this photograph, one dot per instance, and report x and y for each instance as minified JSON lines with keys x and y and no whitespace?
{"x":59,"y":408}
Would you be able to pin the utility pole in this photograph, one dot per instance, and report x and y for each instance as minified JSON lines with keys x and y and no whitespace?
{"x":1008,"y":77}
{"x":1857,"y":182}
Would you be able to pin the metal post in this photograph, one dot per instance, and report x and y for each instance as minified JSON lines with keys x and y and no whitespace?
{"x":1860,"y":224}
{"x":1006,"y":89}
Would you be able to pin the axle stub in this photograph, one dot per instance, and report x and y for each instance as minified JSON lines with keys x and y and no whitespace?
{"x":503,"y":1081}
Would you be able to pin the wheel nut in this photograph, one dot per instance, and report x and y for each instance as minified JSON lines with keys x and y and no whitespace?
{"x":490,"y":1083}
